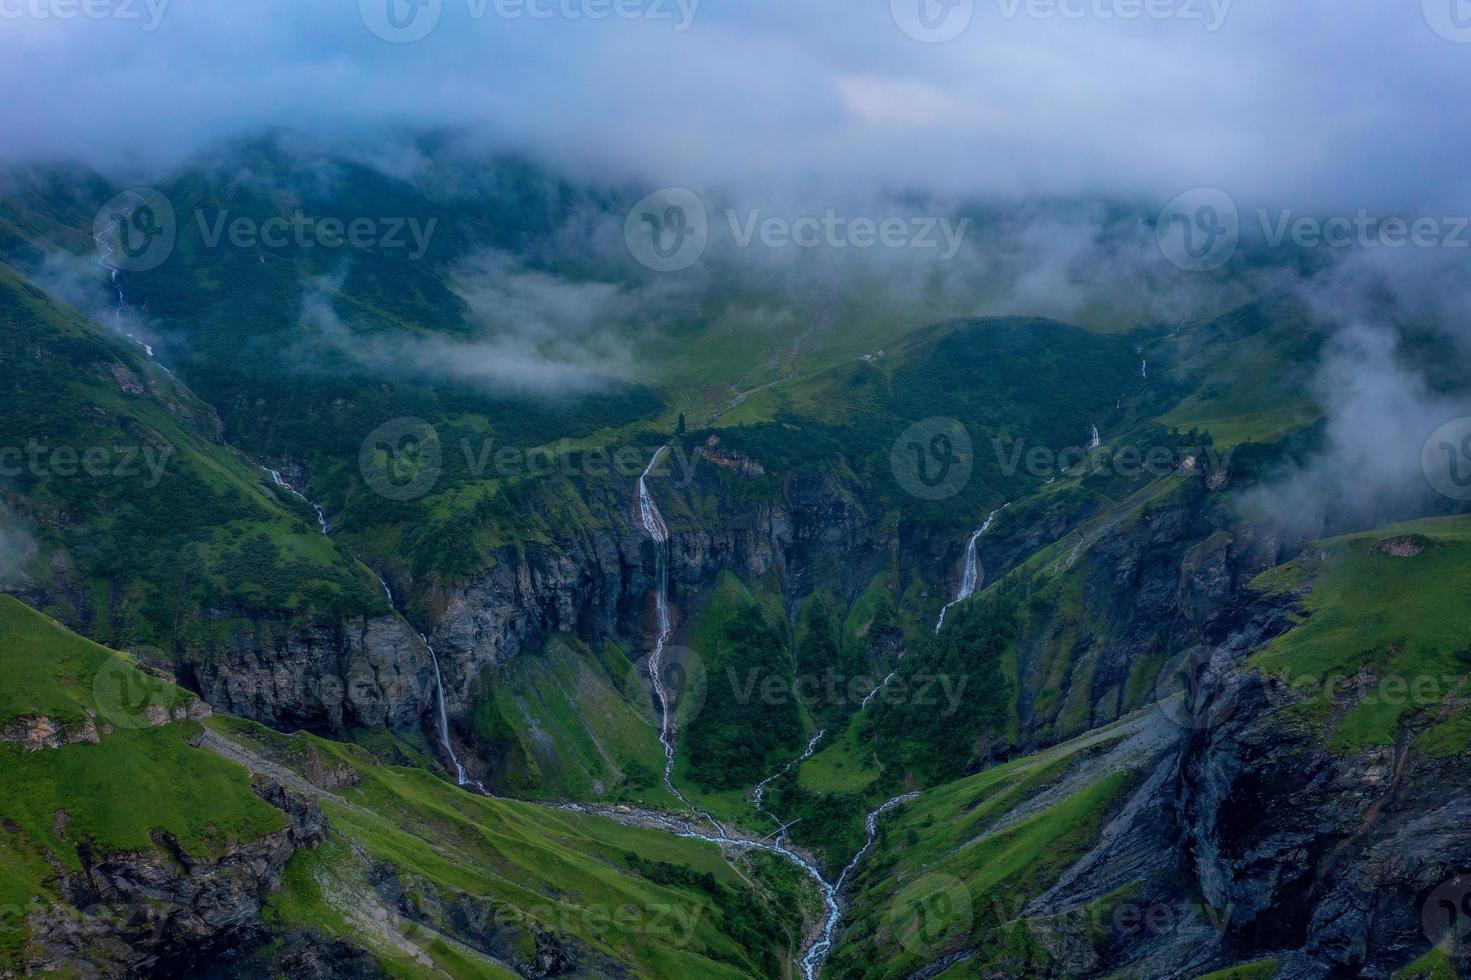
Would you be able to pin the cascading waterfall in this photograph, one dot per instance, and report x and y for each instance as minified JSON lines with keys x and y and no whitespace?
{"x":280,"y":481}
{"x":813,"y":960}
{"x":970,"y":577}
{"x":1144,"y":369}
{"x":1096,"y":440}
{"x":653,"y":523}
{"x":462,"y":778}
{"x":758,"y":795}
{"x":970,"y":580}
{"x":105,"y":248}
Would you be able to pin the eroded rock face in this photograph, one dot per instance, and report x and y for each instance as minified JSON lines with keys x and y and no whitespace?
{"x":1320,"y":858}
{"x":599,"y":584}
{"x":36,"y":732}
{"x":374,"y":673}
{"x":163,"y":911}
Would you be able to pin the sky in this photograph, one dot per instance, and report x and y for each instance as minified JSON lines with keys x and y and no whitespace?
{"x":1293,"y":107}
{"x":1317,"y":105}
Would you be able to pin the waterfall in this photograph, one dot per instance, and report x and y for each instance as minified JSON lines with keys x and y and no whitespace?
{"x":461,"y":777}
{"x":970,"y":577}
{"x":1143,"y":369}
{"x":105,"y":248}
{"x":758,"y":795}
{"x":280,"y":481}
{"x":653,"y":523}
{"x":812,"y":962}
{"x":1097,"y":440}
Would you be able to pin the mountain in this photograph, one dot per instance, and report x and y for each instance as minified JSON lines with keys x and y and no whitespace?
{"x":879,"y":636}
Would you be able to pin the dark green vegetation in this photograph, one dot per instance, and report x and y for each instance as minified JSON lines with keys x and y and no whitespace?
{"x":484,"y":885}
{"x":804,"y":566}
{"x":148,"y":521}
{"x":949,"y":696}
{"x":750,"y":723}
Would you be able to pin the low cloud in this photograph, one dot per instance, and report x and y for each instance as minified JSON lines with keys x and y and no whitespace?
{"x":17,"y":549}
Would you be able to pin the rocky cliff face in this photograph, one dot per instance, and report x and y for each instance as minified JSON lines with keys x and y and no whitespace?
{"x":371,"y":672}
{"x":1251,"y":840}
{"x":1322,"y":859}
{"x":162,"y":911}
{"x":816,"y":532}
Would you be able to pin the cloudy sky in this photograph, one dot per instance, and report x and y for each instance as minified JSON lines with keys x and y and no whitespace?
{"x":1315,"y":104}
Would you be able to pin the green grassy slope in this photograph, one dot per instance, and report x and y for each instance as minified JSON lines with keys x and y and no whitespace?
{"x":484,"y":882}
{"x":163,"y":521}
{"x":1386,"y":636}
{"x":138,"y":779}
{"x":613,"y":897}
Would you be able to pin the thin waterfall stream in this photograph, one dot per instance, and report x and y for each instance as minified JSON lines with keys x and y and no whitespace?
{"x":820,"y":945}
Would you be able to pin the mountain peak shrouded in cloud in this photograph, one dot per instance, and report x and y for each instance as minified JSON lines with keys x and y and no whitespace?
{"x":1316,"y":106}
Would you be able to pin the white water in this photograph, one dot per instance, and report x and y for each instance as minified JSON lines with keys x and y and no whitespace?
{"x":970,"y":577}
{"x":812,"y":962}
{"x":653,"y":523}
{"x":1097,"y":439}
{"x":461,"y":777}
{"x":105,"y":248}
{"x":758,"y":795}
{"x":1144,"y":369}
{"x":280,"y":481}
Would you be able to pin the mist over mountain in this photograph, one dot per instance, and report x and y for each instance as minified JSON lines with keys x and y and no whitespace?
{"x":667,"y":488}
